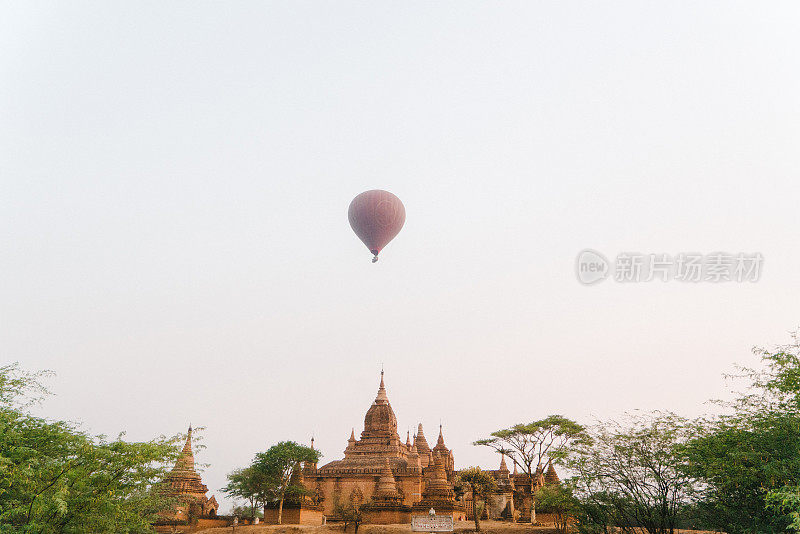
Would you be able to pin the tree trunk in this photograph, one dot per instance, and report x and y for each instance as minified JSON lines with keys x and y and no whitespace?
{"x":475,"y":512}
{"x":533,"y":501}
{"x":280,"y":510}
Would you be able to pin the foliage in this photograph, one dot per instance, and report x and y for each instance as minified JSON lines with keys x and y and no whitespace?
{"x":251,"y":484}
{"x":740,"y":461}
{"x":350,"y":512}
{"x":630,"y":475}
{"x":247,"y":511}
{"x":749,"y":459}
{"x":557,"y":499}
{"x":273,"y":472}
{"x":20,"y":389}
{"x":55,"y":478}
{"x":480,"y":483}
{"x":786,"y":500}
{"x":532,"y":445}
{"x":777,"y":386}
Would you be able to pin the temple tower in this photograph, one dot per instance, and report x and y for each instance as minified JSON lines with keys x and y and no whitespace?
{"x":184,"y":483}
{"x":438,"y":493}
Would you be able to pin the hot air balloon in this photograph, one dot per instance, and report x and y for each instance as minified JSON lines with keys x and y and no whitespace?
{"x":376,"y":217}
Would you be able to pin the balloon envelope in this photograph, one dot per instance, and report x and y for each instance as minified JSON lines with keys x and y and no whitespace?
{"x":376,"y":217}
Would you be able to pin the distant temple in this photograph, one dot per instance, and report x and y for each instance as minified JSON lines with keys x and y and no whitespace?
{"x":512,"y":497}
{"x":393,"y":480}
{"x":390,"y":478}
{"x":184,"y":484}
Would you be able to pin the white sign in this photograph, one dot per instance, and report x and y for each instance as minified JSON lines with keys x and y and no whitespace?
{"x":432,"y":523}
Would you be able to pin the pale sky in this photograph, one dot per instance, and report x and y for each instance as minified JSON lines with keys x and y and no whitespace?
{"x":175,"y":178}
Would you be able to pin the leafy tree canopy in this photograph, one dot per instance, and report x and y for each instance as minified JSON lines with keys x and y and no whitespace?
{"x":270,"y":474}
{"x":629,"y":476}
{"x":749,"y":458}
{"x":558,"y":499}
{"x":480,"y":483}
{"x":55,"y":478}
{"x":530,"y":445}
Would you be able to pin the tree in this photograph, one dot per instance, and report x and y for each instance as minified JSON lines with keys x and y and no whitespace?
{"x":630,"y":475}
{"x":749,"y":458}
{"x":740,"y":461}
{"x":247,"y":483}
{"x":247,"y":511}
{"x":55,"y":478}
{"x":480,"y":483}
{"x":786,"y":500}
{"x":532,"y":445}
{"x":557,"y":499}
{"x":276,"y":466}
{"x":350,"y":512}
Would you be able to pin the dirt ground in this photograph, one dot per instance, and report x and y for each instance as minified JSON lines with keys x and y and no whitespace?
{"x":461,"y":527}
{"x":487,"y":527}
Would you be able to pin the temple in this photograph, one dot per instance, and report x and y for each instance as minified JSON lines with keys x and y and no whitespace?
{"x":388,"y":478}
{"x":512,"y":497}
{"x":183,"y":483}
{"x":391,"y":478}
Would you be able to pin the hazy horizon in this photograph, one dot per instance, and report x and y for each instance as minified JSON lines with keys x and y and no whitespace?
{"x":175,"y":179}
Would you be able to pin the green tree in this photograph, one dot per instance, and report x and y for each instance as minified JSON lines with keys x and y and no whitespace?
{"x":557,"y":499}
{"x":275,"y":468}
{"x":480,"y":483}
{"x":532,"y":445}
{"x":55,"y":478}
{"x":247,"y":511}
{"x":749,"y":458}
{"x":630,"y":476}
{"x":250,"y":484}
{"x":786,"y":501}
{"x":350,"y":512}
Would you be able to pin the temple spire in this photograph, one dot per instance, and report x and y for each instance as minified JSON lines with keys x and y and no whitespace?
{"x":386,"y":492}
{"x":381,"y":398}
{"x":310,"y":465}
{"x":185,"y":462}
{"x":187,"y":447}
{"x":421,"y":442}
{"x":550,"y":477}
{"x":184,"y":481}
